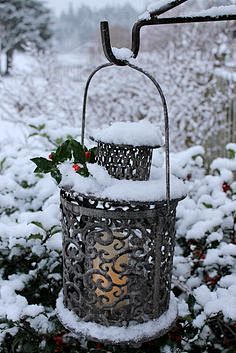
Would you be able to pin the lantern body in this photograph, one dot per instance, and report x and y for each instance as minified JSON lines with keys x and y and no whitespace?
{"x":117,"y":259}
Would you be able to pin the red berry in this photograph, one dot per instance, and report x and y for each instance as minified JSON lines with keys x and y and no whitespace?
{"x":50,"y":156}
{"x":58,"y":340}
{"x":76,"y":167}
{"x":226,"y":187}
{"x":87,"y":155}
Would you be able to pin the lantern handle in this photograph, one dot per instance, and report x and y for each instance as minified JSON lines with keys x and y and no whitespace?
{"x":166,"y":117}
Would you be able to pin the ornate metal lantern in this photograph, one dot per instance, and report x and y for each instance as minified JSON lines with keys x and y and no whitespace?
{"x":118,"y":255}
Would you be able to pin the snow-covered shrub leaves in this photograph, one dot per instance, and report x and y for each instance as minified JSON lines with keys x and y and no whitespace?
{"x":206,"y":242}
{"x":30,"y":252}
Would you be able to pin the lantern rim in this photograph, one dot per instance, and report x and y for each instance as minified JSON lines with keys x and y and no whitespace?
{"x":122,"y":203}
{"x":125,"y":145}
{"x":131,"y":335}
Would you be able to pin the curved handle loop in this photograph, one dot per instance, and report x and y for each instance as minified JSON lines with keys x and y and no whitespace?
{"x":166,"y":117}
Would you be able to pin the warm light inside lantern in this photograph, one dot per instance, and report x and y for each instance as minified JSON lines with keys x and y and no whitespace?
{"x":114,"y":262}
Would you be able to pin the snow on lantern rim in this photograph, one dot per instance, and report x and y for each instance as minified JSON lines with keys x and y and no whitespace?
{"x":135,"y":134}
{"x":104,"y":187}
{"x":136,"y":333}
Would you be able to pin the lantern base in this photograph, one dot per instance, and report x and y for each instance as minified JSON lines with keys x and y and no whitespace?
{"x":132,"y":335}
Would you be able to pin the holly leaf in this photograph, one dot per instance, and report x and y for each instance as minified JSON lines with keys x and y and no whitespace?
{"x":78,"y":152}
{"x":63,"y":152}
{"x":93,"y":152}
{"x":56,"y":174}
{"x":43,"y":165}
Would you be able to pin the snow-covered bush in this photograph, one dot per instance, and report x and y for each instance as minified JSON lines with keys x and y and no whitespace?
{"x":30,"y":252}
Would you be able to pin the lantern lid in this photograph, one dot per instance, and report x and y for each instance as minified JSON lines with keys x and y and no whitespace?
{"x":141,"y":133}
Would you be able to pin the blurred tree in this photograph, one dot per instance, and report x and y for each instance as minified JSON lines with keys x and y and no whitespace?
{"x":23,"y":22}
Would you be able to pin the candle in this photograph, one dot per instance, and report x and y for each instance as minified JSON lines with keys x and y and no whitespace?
{"x":119,"y":280}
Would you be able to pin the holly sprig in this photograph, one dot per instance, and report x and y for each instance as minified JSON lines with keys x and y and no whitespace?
{"x":70,"y":150}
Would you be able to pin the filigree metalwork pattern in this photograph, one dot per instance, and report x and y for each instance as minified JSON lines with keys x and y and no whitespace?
{"x":124,"y":161}
{"x":117,"y":258}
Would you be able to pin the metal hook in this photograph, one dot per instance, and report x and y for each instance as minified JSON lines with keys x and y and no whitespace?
{"x":154,"y":20}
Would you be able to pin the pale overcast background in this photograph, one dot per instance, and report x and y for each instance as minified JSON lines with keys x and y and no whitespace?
{"x":59,"y":5}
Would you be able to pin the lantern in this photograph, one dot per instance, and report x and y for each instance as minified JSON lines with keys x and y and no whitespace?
{"x":118,"y":251}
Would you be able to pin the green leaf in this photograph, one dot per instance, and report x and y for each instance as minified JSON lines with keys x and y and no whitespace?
{"x":55,"y":229}
{"x":207,"y":205}
{"x":38,"y":128}
{"x":191,"y":302}
{"x":78,"y":152}
{"x":38,"y":224}
{"x":63,"y":152}
{"x":59,"y":141}
{"x":34,"y":134}
{"x":29,"y":347}
{"x":43,"y":165}
{"x":93,"y":152}
{"x":232,"y":154}
{"x":56,"y":174}
{"x":84,"y":171}
{"x":35,"y":237}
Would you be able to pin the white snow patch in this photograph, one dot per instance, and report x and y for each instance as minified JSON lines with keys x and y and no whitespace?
{"x":224,"y":163}
{"x":114,"y":333}
{"x":203,"y":295}
{"x":145,"y":16}
{"x":101,"y":184}
{"x":122,"y":53}
{"x":157,"y":5}
{"x":141,"y":133}
{"x":231,"y":146}
{"x":217,"y":11}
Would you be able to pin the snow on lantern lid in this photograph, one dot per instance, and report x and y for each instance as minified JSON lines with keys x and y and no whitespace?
{"x":125,"y":149}
{"x":135,"y":134}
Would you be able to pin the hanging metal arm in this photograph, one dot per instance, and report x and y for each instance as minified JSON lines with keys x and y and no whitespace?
{"x":154,"y":20}
{"x":172,"y":20}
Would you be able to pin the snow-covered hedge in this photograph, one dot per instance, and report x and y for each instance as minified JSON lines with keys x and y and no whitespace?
{"x":204,"y":277}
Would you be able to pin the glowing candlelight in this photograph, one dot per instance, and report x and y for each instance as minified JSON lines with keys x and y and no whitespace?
{"x":113,"y":270}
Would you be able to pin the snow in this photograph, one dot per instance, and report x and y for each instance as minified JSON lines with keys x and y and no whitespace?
{"x":225,"y":73}
{"x":157,"y":5}
{"x":41,"y":324}
{"x":141,"y":133}
{"x":221,"y":300}
{"x":224,"y":163}
{"x":145,"y":16}
{"x":231,"y":146}
{"x":228,"y":281}
{"x":203,"y":295}
{"x":101,"y":185}
{"x":12,"y":305}
{"x":223,"y":255}
{"x":217,"y":11}
{"x":122,"y":53}
{"x":182,"y":162}
{"x":113,"y":333}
